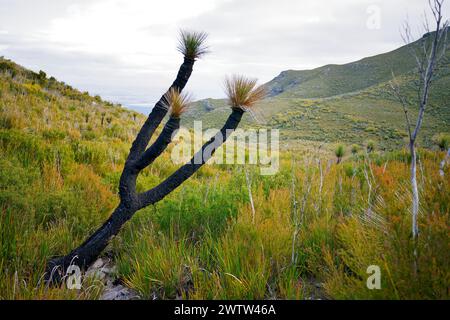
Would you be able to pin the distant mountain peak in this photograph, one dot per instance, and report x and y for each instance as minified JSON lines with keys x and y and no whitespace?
{"x":333,"y":79}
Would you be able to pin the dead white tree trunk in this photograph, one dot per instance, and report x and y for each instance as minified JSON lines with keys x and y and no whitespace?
{"x":427,"y":56}
{"x":294,"y":212}
{"x":415,"y":191}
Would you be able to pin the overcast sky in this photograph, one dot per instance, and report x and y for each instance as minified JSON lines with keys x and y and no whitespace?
{"x":125,"y":50}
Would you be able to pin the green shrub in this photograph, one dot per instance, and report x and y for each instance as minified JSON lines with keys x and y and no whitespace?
{"x":442,"y":141}
{"x":339,"y":152}
{"x":370,"y":146}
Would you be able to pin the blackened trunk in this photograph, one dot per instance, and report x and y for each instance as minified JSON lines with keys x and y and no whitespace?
{"x":159,"y":111}
{"x":155,"y":150}
{"x":87,"y":252}
{"x":200,"y":158}
{"x":137,"y":160}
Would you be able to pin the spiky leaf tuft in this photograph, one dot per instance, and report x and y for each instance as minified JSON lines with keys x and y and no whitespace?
{"x":192,"y":44}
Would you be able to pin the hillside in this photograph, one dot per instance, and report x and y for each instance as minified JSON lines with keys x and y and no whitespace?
{"x":343,"y":103}
{"x":333,"y":80}
{"x":54,"y":110}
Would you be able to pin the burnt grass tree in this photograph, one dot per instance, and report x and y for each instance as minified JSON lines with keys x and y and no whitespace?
{"x":242,"y":93}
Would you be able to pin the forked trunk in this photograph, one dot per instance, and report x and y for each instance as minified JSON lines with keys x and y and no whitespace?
{"x":141,"y":157}
{"x":89,"y":250}
{"x":137,"y":160}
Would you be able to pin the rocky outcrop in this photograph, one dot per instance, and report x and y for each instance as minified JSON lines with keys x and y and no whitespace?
{"x":104,"y":270}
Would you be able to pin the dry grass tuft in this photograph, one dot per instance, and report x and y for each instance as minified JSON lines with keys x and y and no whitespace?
{"x":242,"y":92}
{"x":178,"y":102}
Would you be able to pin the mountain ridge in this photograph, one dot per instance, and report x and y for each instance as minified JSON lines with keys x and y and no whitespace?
{"x":348,"y":103}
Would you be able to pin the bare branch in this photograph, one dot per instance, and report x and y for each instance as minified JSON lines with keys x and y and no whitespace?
{"x":395,"y":88}
{"x":431,"y":63}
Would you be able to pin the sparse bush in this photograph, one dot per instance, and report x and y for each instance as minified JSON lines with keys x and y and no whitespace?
{"x":370,"y":146}
{"x":442,"y":141}
{"x":42,"y":76}
{"x":355,"y":149}
{"x":339,"y":152}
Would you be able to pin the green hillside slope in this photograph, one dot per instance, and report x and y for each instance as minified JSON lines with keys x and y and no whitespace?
{"x":343,"y":103}
{"x":332,"y":80}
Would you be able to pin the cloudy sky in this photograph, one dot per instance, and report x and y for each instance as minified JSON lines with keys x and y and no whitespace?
{"x":125,"y":50}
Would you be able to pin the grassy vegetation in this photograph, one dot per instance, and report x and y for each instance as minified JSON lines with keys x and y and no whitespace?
{"x":208,"y":243}
{"x":315,"y":228}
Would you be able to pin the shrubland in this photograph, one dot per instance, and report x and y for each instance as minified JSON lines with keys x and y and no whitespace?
{"x":315,"y":228}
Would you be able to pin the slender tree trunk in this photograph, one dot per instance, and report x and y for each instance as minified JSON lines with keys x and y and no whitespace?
{"x":319,"y":206}
{"x":427,"y":59}
{"x":415,"y":205}
{"x":415,"y":191}
{"x":294,"y":213}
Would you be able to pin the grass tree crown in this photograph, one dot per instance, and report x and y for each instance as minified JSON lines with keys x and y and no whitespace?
{"x":178,"y":102}
{"x":242,"y":92}
{"x":192,"y":44}
{"x":339,"y":151}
